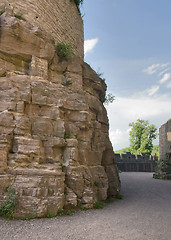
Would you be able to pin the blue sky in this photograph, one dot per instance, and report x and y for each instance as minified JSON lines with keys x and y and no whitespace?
{"x":130,"y":42}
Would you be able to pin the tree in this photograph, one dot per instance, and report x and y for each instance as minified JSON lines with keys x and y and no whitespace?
{"x":141,"y":138}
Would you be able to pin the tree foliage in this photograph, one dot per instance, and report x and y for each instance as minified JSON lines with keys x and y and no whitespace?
{"x":141,"y":138}
{"x":109,"y":98}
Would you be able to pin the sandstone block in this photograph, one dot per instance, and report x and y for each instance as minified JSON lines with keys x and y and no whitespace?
{"x":70,"y":156}
{"x":20,"y":107}
{"x":42,"y":127}
{"x":4,"y":183}
{"x":10,"y":106}
{"x":75,"y":65}
{"x":59,"y":128}
{"x":55,"y":142}
{"x":88,"y":196}
{"x":82,"y":116}
{"x":71,"y":198}
{"x":23,"y":125}
{"x":6,"y":119}
{"x":75,"y":79}
{"x":91,"y":158}
{"x":3,"y":161}
{"x":72,"y":143}
{"x":27,"y":146}
{"x":39,"y":67}
{"x":74,"y":180}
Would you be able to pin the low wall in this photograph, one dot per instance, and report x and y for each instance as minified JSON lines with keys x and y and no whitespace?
{"x":140,"y":163}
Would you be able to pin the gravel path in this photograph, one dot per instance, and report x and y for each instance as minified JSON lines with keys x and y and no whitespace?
{"x":143,"y":214}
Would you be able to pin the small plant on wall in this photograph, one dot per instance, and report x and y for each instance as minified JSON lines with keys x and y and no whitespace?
{"x":64,"y":51}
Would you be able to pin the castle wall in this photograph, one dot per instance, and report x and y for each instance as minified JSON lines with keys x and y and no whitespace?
{"x":140,"y":163}
{"x":55,"y":150}
{"x":59,"y":18}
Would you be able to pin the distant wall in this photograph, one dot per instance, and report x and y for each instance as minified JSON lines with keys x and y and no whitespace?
{"x":140,"y":163}
{"x":59,"y":18}
{"x":165,"y":139}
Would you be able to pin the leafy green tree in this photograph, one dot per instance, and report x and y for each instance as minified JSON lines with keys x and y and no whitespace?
{"x":141,"y":138}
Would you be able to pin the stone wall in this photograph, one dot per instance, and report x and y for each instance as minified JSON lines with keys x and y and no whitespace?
{"x":165,"y":139}
{"x":164,"y":164}
{"x":59,"y":18}
{"x":54,"y":145}
{"x":132,"y":163}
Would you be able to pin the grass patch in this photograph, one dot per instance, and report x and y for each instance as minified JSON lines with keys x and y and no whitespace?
{"x":98,"y":205}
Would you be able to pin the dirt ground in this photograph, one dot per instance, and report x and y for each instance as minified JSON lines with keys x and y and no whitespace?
{"x":143,"y":214}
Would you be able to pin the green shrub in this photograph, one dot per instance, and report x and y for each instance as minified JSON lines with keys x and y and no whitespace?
{"x":60,"y":212}
{"x":66,"y":82}
{"x":96,"y":183}
{"x":68,"y":135}
{"x":119,"y":196}
{"x":64,"y":51}
{"x":7,"y":208}
{"x":98,"y":205}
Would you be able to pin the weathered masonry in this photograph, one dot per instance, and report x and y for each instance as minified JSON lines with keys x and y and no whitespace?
{"x":164,"y":164}
{"x":54,"y":143}
{"x":58,"y":18}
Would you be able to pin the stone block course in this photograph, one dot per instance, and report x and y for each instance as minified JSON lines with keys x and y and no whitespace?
{"x":54,"y":145}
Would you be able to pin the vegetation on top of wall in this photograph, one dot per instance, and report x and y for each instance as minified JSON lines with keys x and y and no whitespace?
{"x":64,"y":51}
{"x":78,"y":3}
{"x":109,"y":98}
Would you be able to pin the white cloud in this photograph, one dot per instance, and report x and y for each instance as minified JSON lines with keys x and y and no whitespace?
{"x":90,"y":44}
{"x":151,"y":91}
{"x":165,"y":70}
{"x":165,"y":78}
{"x":155,"y":68}
{"x":169,"y":85}
{"x":126,"y":110}
{"x":152,"y":69}
{"x":118,"y":136}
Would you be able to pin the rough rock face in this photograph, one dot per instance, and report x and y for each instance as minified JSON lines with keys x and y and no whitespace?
{"x":54,"y":144}
{"x":164,"y":164}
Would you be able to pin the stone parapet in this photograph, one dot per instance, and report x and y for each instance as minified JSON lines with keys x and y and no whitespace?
{"x":131,"y":163}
